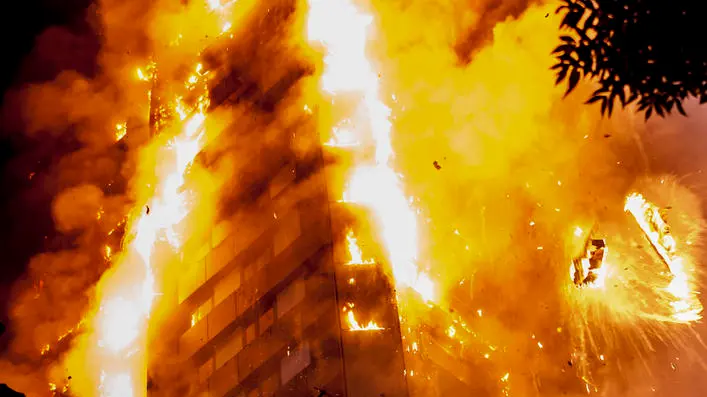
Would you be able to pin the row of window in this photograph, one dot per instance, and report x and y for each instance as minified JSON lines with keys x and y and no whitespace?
{"x":230,"y":363}
{"x":288,"y":230}
{"x":231,"y":236}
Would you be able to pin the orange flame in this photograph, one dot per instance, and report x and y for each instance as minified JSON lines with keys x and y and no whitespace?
{"x":355,"y":326}
{"x":355,"y":251}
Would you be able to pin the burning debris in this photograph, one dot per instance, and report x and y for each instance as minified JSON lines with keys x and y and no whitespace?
{"x":587,"y":270}
{"x":652,"y":221}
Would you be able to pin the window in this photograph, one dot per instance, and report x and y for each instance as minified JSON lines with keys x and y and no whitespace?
{"x":282,"y":179}
{"x":228,"y":350}
{"x":205,"y":371}
{"x":193,"y":339}
{"x":222,"y":255}
{"x":266,"y":320}
{"x":271,"y":384}
{"x":295,"y":362}
{"x":191,"y":279}
{"x":290,"y":297}
{"x":220,"y":232}
{"x":202,"y":311}
{"x":227,"y":285}
{"x":222,"y":315}
{"x":250,"y":333}
{"x":263,"y":260}
{"x":288,"y":229}
{"x":224,"y":379}
{"x":249,"y":271}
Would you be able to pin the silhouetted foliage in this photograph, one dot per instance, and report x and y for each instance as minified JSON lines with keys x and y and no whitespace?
{"x":644,"y":51}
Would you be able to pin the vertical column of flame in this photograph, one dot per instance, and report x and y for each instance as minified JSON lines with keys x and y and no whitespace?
{"x":126,"y":294}
{"x":129,"y":291}
{"x":342,"y":29}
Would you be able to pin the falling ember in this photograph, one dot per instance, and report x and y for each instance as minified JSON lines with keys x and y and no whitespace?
{"x":451,"y":331}
{"x":651,"y":219}
{"x":355,"y":250}
{"x":355,"y":326}
{"x":342,"y":29}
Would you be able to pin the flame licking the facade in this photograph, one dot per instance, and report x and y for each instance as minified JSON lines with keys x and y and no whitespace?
{"x":355,"y":250}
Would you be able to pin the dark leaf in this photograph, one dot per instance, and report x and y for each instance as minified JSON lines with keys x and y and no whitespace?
{"x":678,"y":105}
{"x":659,"y":109}
{"x":563,"y":48}
{"x":632,"y":98}
{"x":561,"y":76}
{"x":649,"y":112}
{"x":593,"y":99}
{"x":610,"y":106}
{"x":561,"y":9}
{"x":573,"y":80}
{"x":703,"y":99}
{"x":621,"y":92}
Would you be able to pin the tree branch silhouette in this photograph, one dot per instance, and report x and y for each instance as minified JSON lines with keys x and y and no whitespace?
{"x":647,"y":52}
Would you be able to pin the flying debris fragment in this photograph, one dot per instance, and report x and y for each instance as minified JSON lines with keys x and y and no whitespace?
{"x":652,"y":221}
{"x":588,"y":269}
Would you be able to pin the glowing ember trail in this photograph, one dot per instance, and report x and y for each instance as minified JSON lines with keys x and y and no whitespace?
{"x":650,"y":218}
{"x":342,"y":29}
